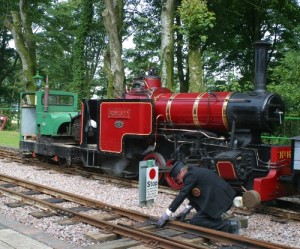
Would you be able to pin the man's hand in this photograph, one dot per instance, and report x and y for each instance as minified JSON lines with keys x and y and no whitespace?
{"x":181,"y":216}
{"x":163,"y":219}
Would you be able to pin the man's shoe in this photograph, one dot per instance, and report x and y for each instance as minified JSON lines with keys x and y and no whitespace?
{"x":235,"y":227}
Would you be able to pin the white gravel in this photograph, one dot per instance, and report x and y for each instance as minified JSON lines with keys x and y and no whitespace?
{"x":259,"y":226}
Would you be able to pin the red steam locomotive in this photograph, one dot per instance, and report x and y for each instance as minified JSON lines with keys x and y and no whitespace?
{"x":217,"y":130}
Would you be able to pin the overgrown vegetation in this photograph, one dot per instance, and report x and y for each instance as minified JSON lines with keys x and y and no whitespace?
{"x":9,"y":138}
{"x":68,"y":42}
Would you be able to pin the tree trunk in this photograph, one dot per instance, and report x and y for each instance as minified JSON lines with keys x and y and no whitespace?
{"x":113,"y":21}
{"x":21,"y":30}
{"x":183,"y":78}
{"x":195,"y":70}
{"x":81,"y":83}
{"x":167,"y":43}
{"x":109,"y":75}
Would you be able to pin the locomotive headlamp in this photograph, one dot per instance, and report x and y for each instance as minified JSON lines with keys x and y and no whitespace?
{"x":38,"y":79}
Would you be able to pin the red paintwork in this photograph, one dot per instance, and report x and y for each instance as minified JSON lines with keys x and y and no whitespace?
{"x":189,"y":110}
{"x":182,"y":110}
{"x":118,"y":119}
{"x":202,"y":110}
{"x":160,"y":161}
{"x":226,"y":170}
{"x":152,"y":82}
{"x":281,"y":154}
{"x":269,"y":186}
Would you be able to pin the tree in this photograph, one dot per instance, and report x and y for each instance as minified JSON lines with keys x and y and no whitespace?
{"x":20,"y":27}
{"x":9,"y":59}
{"x":81,"y":83}
{"x":228,"y":48}
{"x":167,"y":43}
{"x":285,"y":79}
{"x":196,"y":19}
{"x":141,"y":25}
{"x":223,"y":51}
{"x":182,"y":69}
{"x":55,"y":37}
{"x":113,"y":63}
{"x":58,"y":44}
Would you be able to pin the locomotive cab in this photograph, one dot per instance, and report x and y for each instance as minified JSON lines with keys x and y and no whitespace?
{"x":116,"y":142}
{"x":46,"y":124}
{"x":50,"y":117}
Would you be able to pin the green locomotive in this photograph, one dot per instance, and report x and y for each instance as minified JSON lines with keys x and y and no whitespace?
{"x":46,"y":130}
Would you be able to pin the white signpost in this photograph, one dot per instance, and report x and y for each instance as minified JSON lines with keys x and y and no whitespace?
{"x":148,"y":182}
{"x":151,"y":183}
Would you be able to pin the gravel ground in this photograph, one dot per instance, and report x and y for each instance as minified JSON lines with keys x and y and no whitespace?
{"x":259,"y":226}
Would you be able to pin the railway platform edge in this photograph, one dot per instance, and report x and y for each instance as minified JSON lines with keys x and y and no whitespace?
{"x":15,"y":235}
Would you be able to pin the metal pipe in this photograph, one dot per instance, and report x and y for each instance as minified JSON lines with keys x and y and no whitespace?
{"x":261,"y":52}
{"x":46,"y":95}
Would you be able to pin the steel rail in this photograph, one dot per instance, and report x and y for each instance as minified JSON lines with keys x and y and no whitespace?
{"x":204,"y":232}
{"x":229,"y":238}
{"x":73,"y":197}
{"x":140,"y":235}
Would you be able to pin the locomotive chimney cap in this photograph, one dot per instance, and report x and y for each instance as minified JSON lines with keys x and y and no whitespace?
{"x":261,"y":43}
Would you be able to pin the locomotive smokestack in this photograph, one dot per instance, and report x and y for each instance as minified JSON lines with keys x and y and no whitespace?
{"x":261,"y":51}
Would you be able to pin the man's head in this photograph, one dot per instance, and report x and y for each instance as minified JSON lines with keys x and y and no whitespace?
{"x":177,"y":171}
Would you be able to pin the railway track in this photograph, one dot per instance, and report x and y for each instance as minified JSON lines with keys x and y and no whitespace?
{"x":11,"y":155}
{"x":77,"y":170}
{"x":283,"y":208}
{"x":124,"y":223}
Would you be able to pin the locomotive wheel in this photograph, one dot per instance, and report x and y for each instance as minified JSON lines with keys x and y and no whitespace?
{"x":76,"y":129}
{"x":160,"y":161}
{"x":42,"y":158}
{"x":64,"y":162}
{"x":170,"y":181}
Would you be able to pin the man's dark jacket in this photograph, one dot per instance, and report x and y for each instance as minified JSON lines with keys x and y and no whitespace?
{"x":216,"y":195}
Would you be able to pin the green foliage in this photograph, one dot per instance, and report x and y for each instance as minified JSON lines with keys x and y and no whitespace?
{"x":9,"y":138}
{"x":239,"y":24}
{"x":58,"y":48}
{"x":54,"y":44}
{"x":10,"y":66}
{"x":80,"y":83}
{"x":8,"y":56}
{"x":291,"y":96}
{"x":285,"y":79}
{"x":230,"y":84}
{"x":283,"y":133}
{"x":12,"y":115}
{"x":197,"y":19}
{"x":142,"y":24}
{"x":225,"y":39}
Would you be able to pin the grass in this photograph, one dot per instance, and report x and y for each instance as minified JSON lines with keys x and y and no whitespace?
{"x":9,"y":138}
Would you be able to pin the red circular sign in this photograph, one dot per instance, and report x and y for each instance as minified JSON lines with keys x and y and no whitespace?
{"x":152,"y":173}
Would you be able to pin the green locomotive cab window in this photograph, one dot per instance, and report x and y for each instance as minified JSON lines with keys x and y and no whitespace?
{"x":60,"y":100}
